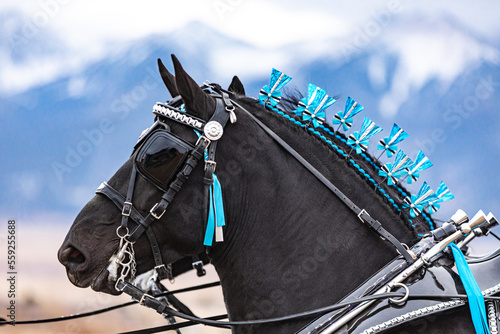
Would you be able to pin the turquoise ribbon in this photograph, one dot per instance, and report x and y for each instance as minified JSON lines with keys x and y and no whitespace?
{"x":316,"y":119}
{"x":215,"y":211}
{"x":339,"y":118}
{"x":415,"y":209}
{"x":218,"y":204}
{"x":474,"y":294}
{"x":358,"y":145}
{"x":390,"y":149}
{"x":273,"y":97}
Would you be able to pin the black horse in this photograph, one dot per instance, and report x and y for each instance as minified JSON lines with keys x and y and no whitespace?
{"x":289,"y":244}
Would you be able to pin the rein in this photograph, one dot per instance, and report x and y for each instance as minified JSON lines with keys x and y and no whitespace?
{"x":207,"y":143}
{"x":375,"y":225}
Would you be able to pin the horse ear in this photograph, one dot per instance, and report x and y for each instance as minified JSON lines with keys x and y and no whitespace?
{"x":236,"y":86}
{"x":168,"y":79}
{"x":196,"y":101}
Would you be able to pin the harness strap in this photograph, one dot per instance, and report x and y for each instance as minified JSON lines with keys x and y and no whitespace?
{"x":159,"y":208}
{"x":220,"y":116}
{"x":127,"y":204}
{"x":108,"y":191}
{"x":198,"y":265}
{"x":143,"y":298}
{"x":117,"y":198}
{"x":375,"y":225}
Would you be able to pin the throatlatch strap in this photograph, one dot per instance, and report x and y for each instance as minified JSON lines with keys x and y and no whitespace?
{"x":361,"y":213}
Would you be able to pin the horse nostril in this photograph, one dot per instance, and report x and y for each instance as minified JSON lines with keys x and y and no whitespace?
{"x":76,"y":256}
{"x":71,"y":255}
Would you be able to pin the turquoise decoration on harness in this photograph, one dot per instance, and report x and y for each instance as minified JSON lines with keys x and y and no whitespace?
{"x":388,"y":144}
{"x":182,"y":108}
{"x":474,"y":294}
{"x":317,"y":101}
{"x":272,"y":95}
{"x":360,"y":140}
{"x":216,"y":217}
{"x":421,"y":163}
{"x":416,"y":203}
{"x":344,"y":118}
{"x":442,"y":194}
{"x":392,"y":172}
{"x":304,"y":105}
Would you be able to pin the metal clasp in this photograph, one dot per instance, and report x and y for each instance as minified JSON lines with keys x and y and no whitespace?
{"x":205,"y":139}
{"x":127,"y":209}
{"x":153,"y":213}
{"x":403,"y":299}
{"x":362,"y":212}
{"x":232,"y":114}
{"x":198,"y":265}
{"x":212,"y":163}
{"x":143,"y":298}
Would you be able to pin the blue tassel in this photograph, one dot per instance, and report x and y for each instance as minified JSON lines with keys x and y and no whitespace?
{"x":344,"y":118}
{"x":216,"y":217}
{"x":421,"y":163}
{"x":359,"y":140}
{"x":442,"y":194}
{"x":271,"y":94}
{"x":474,"y":294}
{"x":393,"y":171}
{"x":417,"y":202}
{"x":388,"y":144}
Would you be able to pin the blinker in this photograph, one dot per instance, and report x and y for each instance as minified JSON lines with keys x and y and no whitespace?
{"x":161,"y":156}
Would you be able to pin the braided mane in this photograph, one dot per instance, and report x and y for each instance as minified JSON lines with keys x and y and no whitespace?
{"x":363,"y":164}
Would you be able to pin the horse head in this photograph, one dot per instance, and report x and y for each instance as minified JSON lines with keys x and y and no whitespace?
{"x":95,"y":234}
{"x":286,"y":240}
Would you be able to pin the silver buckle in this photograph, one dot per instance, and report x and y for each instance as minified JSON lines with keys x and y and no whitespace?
{"x":205,"y":139}
{"x":127,"y":209}
{"x":210,"y":162}
{"x":143,"y":298}
{"x":154,"y":214}
{"x":157,"y":268}
{"x":361,"y":213}
{"x":195,"y":264}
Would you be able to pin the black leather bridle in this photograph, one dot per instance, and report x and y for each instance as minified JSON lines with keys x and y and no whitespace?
{"x":207,"y":143}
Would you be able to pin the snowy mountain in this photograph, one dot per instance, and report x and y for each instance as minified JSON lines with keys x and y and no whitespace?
{"x":440,"y":82}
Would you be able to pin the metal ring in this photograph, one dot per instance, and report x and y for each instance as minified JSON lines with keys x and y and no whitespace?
{"x":404,"y":298}
{"x":425,"y":261}
{"x":118,"y":232}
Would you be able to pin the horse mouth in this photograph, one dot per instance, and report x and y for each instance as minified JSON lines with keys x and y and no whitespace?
{"x":105,"y":283}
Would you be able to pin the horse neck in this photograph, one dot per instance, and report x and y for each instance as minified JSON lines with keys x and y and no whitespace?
{"x":290,"y":244}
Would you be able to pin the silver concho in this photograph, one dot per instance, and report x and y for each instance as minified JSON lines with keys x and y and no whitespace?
{"x":213,"y":130}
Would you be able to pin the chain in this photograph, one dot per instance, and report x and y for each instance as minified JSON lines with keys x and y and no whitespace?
{"x":125,"y":258}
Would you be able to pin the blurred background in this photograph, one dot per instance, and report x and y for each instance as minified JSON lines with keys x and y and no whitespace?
{"x":78,"y":81}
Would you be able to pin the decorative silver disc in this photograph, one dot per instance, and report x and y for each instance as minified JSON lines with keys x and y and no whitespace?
{"x":213,"y":130}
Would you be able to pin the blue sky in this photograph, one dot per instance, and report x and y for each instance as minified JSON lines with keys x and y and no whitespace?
{"x":52,"y":52}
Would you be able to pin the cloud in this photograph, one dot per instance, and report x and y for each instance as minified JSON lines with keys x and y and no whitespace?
{"x":437,"y":52}
{"x":60,"y":38}
{"x":76,"y":87}
{"x":27,"y":184}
